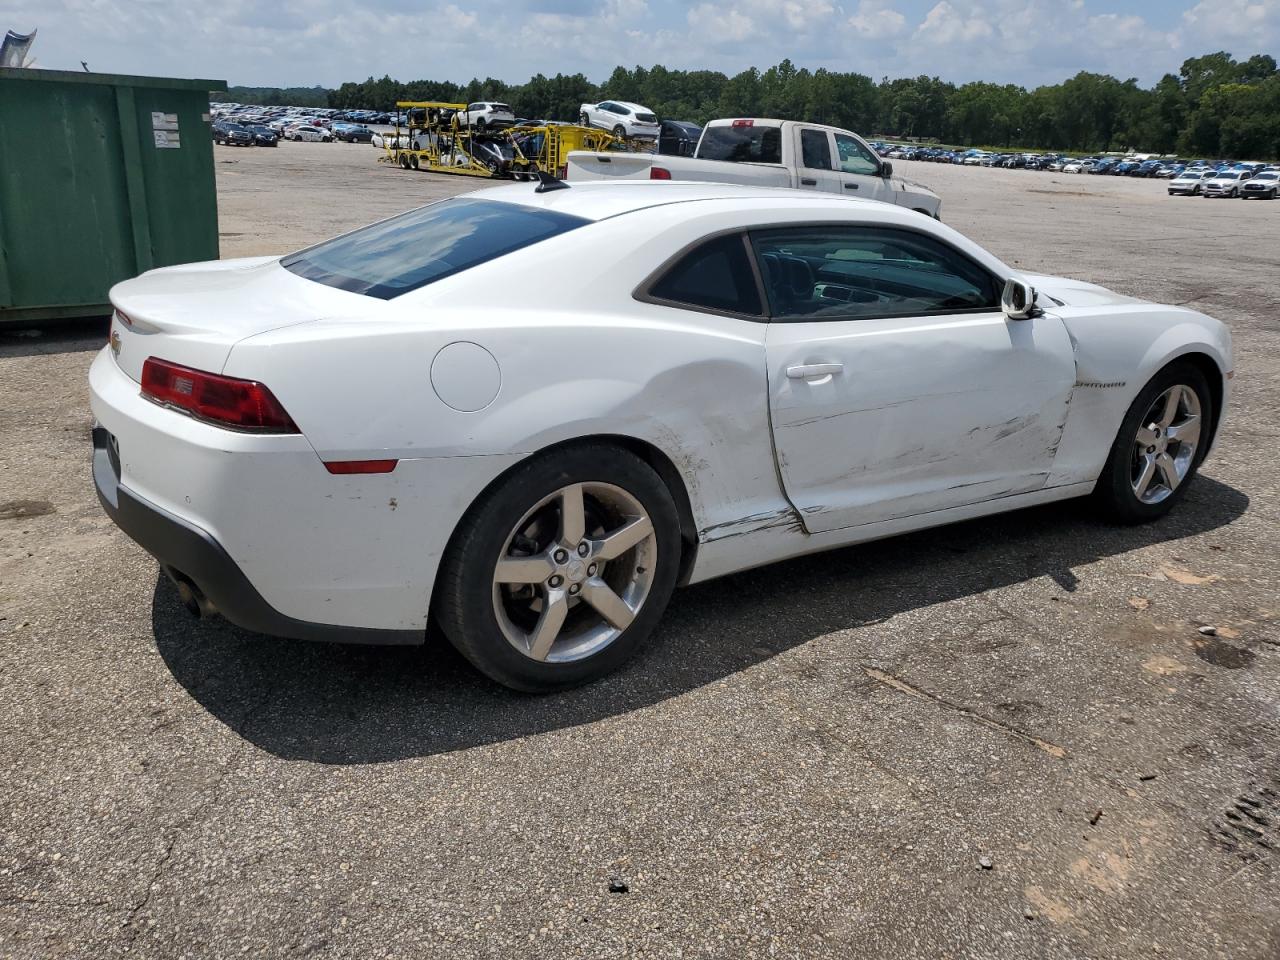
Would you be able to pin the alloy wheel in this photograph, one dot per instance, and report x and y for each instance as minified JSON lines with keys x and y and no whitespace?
{"x":1165,"y":446}
{"x":574,"y":572}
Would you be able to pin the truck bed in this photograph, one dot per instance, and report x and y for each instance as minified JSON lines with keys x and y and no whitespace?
{"x":586,"y":165}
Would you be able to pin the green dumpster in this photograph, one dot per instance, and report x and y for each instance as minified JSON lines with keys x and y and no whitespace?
{"x":101,"y":178}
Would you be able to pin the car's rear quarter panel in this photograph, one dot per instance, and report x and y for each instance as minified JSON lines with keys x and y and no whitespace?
{"x":584,"y":359}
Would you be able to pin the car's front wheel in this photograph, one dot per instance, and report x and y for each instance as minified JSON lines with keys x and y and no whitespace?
{"x":560,"y":573}
{"x":584,"y":120}
{"x":1161,"y":443}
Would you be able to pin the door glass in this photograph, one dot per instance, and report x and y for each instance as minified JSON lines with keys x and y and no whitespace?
{"x":815,"y":149}
{"x":854,"y":157}
{"x":853,"y":273}
{"x":716,"y":275}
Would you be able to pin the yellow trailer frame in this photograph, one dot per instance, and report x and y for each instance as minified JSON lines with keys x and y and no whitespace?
{"x":561,"y":139}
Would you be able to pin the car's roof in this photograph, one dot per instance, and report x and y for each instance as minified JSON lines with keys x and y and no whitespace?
{"x":628,"y":104}
{"x":595,"y":200}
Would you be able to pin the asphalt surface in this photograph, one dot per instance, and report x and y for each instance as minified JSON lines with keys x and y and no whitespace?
{"x":1006,"y":738}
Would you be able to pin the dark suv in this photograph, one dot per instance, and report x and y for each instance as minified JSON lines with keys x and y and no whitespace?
{"x":264,"y":136}
{"x":678,"y":137}
{"x":232,"y":134}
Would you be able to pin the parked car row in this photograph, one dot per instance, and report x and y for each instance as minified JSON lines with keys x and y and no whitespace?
{"x":1222,"y":178}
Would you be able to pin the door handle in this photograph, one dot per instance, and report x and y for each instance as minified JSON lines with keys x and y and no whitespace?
{"x":806,"y":182}
{"x":851,"y":186}
{"x":813,"y":371}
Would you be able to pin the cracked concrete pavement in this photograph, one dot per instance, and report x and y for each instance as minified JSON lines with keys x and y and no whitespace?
{"x":811,"y":760}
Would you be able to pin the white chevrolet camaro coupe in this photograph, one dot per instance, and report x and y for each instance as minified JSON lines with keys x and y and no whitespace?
{"x":386,"y":430}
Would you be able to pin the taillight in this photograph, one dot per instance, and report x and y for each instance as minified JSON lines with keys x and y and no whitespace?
{"x":659,"y":173}
{"x":225,"y":401}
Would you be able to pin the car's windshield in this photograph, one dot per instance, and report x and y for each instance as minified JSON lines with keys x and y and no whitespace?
{"x":742,"y":144}
{"x":395,"y":256}
{"x":1229,"y":175}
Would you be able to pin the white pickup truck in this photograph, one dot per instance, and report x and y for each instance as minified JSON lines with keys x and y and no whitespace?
{"x":768,"y":153}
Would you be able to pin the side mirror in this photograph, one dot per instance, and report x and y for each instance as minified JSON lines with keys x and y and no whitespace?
{"x":1018,"y":300}
{"x":886,"y":169}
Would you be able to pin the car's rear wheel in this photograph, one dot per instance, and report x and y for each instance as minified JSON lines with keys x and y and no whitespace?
{"x":558,"y":575}
{"x":1161,"y":443}
{"x":620,"y":132}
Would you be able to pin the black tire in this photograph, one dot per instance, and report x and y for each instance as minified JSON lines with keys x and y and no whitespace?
{"x":620,"y":132}
{"x":480,"y":125}
{"x":1114,"y":491}
{"x":584,"y":120}
{"x":464,"y":600}
{"x":404,"y":161}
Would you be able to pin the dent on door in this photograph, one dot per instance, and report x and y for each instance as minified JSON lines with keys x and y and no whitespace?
{"x":922,"y":414}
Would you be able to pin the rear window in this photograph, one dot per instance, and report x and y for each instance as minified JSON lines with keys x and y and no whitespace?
{"x":646,"y":118}
{"x":406,"y":252}
{"x":742,"y":144}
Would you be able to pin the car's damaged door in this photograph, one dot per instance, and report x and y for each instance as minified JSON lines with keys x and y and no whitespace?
{"x":897,"y":386}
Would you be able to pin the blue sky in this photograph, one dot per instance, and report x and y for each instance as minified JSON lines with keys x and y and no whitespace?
{"x":304,"y":42}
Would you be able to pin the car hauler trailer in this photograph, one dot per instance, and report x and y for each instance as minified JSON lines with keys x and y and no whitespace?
{"x":435,"y":139}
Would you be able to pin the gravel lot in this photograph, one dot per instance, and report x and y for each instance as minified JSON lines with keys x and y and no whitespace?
{"x":1003,"y":739}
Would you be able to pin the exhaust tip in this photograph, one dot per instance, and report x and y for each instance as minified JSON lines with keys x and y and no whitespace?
{"x":191,"y":596}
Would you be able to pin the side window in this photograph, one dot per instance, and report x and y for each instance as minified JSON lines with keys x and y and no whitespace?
{"x":854,"y":157}
{"x":815,"y":149}
{"x":854,"y":273}
{"x":715,"y":276}
{"x":475,"y":106}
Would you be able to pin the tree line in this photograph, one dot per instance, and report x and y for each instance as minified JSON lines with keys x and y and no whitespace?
{"x":1215,"y":106}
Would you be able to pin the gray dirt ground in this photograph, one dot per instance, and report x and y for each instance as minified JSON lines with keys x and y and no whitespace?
{"x":810,"y":760}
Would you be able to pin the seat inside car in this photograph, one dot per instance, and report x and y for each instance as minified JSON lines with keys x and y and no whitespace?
{"x":789,"y":279}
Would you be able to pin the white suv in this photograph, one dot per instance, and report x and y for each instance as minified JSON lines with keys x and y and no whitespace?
{"x":486,"y":114}
{"x":622,"y":118}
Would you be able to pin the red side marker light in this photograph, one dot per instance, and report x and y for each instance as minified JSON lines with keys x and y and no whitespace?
{"x":360,"y":466}
{"x":659,"y":173}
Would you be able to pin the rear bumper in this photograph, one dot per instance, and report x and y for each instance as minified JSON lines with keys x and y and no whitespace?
{"x":188,"y":553}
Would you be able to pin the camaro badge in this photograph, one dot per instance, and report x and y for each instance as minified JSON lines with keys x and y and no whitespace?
{"x":114,"y":340}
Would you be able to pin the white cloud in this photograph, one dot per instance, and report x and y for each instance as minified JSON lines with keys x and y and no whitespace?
{"x":717,"y":24}
{"x":877,"y":20}
{"x":945,"y":25}
{"x":1255,"y":22}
